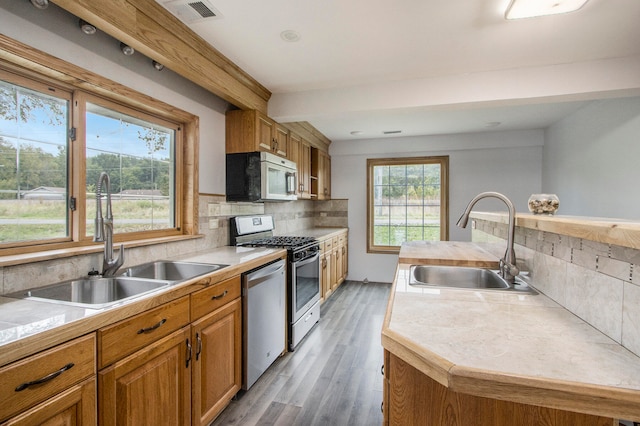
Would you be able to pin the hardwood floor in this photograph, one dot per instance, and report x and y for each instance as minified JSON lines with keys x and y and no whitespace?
{"x":333,"y":377}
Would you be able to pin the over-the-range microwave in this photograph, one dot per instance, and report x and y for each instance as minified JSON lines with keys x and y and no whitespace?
{"x":260,"y":176}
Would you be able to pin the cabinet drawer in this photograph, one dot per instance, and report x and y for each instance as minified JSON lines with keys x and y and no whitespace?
{"x":209,"y":299}
{"x":342,"y":238}
{"x":30,"y":381}
{"x":328,"y":244}
{"x":127,"y":336}
{"x":334,"y":241}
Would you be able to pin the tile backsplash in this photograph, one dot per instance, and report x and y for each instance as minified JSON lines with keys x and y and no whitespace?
{"x":213,"y":223}
{"x":597,"y":282}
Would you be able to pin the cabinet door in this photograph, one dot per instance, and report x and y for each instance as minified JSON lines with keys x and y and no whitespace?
{"x":339,"y":264}
{"x":325,"y":274}
{"x":149,"y":387}
{"x":217,"y":364}
{"x":304,"y":170}
{"x":280,"y":140}
{"x":264,"y":133}
{"x":333,"y":268}
{"x":74,"y":406}
{"x":293,"y":149}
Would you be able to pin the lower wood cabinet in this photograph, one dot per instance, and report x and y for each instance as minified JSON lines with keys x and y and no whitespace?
{"x":217,"y":363}
{"x":333,"y":263}
{"x":56,"y":386}
{"x":75,"y":406}
{"x":151,"y":386}
{"x":412,"y":398}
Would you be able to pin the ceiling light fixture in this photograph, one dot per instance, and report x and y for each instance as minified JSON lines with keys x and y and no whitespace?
{"x":530,"y":8}
{"x":40,"y":4}
{"x":157,"y":65}
{"x":357,"y":132}
{"x":126,"y":49}
{"x":290,"y":36}
{"x":86,"y":27}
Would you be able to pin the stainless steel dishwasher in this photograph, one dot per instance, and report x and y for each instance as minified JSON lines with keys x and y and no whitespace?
{"x":264,"y":311}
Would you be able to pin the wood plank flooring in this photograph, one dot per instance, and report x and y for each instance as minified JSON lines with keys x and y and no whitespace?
{"x":333,"y":377}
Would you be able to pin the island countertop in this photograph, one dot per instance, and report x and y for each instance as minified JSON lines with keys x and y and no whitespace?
{"x":511,"y":346}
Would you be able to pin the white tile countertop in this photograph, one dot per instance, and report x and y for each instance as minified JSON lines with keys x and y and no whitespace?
{"x":28,"y":326}
{"x":512,"y":346}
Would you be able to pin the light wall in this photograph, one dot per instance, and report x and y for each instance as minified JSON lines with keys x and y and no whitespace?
{"x":507,"y":162}
{"x":590,"y":160}
{"x":57,"y":33}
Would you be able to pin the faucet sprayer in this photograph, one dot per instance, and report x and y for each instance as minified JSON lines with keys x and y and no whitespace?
{"x":508,"y":268}
{"x":104,"y":229}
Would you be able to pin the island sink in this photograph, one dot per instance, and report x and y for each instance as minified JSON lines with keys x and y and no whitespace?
{"x":463,"y":277}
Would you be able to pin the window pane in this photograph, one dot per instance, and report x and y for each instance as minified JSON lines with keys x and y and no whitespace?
{"x":139,"y":157}
{"x":414,"y":195}
{"x":33,"y":165}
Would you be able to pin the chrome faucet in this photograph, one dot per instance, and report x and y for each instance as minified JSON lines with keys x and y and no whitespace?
{"x":508,"y":268}
{"x":104,"y":229}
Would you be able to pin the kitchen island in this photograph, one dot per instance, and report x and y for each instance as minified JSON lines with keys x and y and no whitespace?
{"x":457,"y":356}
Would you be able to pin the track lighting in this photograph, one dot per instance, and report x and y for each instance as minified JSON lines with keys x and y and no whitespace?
{"x":126,"y":49}
{"x":86,"y":27}
{"x":157,"y":65}
{"x":40,"y":4}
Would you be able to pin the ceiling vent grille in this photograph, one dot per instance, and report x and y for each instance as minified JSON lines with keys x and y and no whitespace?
{"x":190,"y":12}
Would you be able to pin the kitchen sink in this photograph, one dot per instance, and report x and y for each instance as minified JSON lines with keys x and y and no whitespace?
{"x":463,"y":277}
{"x":94,"y":293}
{"x":171,"y":270}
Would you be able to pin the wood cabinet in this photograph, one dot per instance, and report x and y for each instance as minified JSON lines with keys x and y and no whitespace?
{"x":299,"y":150}
{"x":412,"y":398}
{"x":151,"y":386}
{"x":217,"y":336}
{"x":250,"y":130}
{"x":325,"y":269}
{"x":333,"y":263}
{"x":56,"y":386}
{"x":320,"y":174}
{"x":75,"y":406}
{"x":145,"y":361}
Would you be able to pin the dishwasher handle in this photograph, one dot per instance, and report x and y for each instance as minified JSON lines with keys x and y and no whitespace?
{"x":265,"y":273}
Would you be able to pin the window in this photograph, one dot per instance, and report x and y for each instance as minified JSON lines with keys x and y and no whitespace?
{"x":407,"y":201}
{"x":55,"y":142}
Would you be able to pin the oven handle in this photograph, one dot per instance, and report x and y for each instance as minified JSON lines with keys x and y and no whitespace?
{"x":306,"y":261}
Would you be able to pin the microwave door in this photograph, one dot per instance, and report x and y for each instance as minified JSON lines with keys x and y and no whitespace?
{"x":277,"y":182}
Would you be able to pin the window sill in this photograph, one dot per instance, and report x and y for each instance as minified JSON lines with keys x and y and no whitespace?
{"x":24,"y":258}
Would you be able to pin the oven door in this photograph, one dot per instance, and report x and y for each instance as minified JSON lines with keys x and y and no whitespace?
{"x":305,"y":285}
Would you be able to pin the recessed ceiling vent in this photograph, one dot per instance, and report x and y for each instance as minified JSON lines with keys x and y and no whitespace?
{"x":190,"y":11}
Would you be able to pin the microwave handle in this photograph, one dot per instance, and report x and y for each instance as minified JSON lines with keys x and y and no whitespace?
{"x":291,"y":182}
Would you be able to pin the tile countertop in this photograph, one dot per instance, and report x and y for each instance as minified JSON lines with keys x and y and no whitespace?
{"x":516,"y":347}
{"x":27,"y":326}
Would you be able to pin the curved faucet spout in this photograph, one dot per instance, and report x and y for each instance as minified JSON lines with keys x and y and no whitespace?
{"x":508,"y":268}
{"x":104,"y":229}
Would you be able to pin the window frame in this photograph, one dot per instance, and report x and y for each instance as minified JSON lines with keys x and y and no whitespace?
{"x":443,"y":161}
{"x":33,"y":66}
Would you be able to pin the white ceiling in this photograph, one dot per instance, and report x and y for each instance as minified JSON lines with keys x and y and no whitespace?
{"x":427,"y":66}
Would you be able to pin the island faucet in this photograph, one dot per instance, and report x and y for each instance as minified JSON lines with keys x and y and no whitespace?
{"x":508,"y":268}
{"x":104,"y":229}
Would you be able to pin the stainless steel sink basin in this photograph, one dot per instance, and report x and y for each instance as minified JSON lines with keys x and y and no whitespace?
{"x":171,"y":270}
{"x":462,"y":277}
{"x":93,"y":292}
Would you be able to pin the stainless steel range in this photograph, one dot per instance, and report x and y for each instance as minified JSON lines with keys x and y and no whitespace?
{"x":303,"y":254}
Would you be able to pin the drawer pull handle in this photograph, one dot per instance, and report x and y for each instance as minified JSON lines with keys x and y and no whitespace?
{"x":45,"y":378}
{"x":153,"y":327}
{"x":220,"y":296}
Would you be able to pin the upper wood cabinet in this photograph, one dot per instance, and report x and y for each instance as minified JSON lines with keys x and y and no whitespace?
{"x":320,"y":175}
{"x":250,"y":130}
{"x":299,"y":150}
